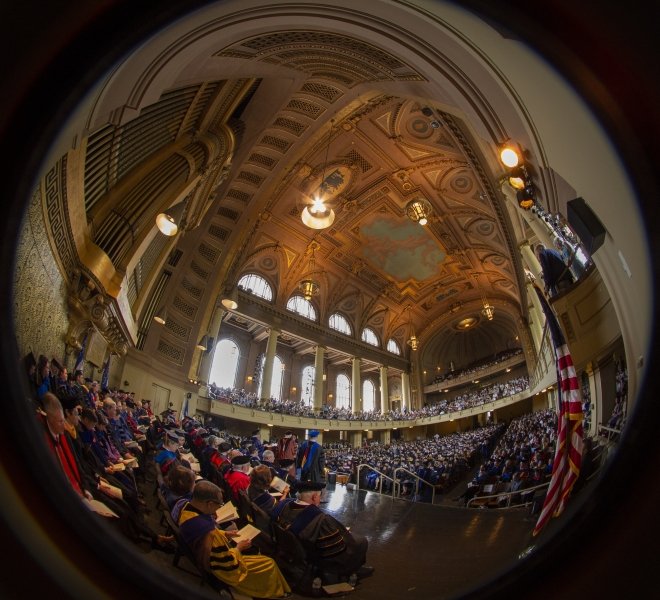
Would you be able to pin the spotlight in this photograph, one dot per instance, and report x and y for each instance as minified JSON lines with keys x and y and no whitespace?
{"x":525,"y":197}
{"x":518,"y":177}
{"x":510,"y":155}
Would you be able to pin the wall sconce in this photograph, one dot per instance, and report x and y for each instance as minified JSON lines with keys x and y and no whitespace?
{"x":203,"y":344}
{"x":294,"y":389}
{"x":167,"y":221}
{"x":230,"y":300}
{"x":160,"y":316}
{"x":249,"y":378}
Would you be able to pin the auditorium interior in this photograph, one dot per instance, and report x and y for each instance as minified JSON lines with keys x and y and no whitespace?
{"x":316,"y":198}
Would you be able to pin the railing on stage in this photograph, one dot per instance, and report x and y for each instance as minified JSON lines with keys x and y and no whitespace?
{"x":502,"y":499}
{"x":396,"y":484}
{"x":381,"y":476}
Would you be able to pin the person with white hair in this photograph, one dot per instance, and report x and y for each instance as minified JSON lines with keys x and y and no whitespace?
{"x":336,"y":551}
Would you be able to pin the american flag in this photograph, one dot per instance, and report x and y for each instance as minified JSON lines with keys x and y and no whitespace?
{"x":568,"y":452}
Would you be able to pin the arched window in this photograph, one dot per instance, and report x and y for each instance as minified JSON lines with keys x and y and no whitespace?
{"x":343,"y":391}
{"x":339,"y":323}
{"x":225,"y":364}
{"x":276,"y":380}
{"x":307,"y":385}
{"x":369,"y":336}
{"x":256,"y":285}
{"x":304,"y":308}
{"x":368,"y":395}
{"x":393,"y":347}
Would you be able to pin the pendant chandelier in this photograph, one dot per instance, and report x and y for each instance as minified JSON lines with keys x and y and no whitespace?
{"x":488,"y":310}
{"x":319,"y":214}
{"x":308,"y":286}
{"x":413,"y":342}
{"x":419,"y":210}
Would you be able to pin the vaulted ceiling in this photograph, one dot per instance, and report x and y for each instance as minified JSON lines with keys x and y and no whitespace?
{"x":233,"y":124}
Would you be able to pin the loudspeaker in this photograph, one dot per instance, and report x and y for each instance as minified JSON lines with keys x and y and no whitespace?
{"x":585,"y":224}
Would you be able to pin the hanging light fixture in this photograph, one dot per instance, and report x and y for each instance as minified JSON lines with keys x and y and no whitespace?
{"x":318,"y":214}
{"x":230,"y":300}
{"x":308,"y":286}
{"x":412,"y":341}
{"x":488,"y":310}
{"x":419,"y":210}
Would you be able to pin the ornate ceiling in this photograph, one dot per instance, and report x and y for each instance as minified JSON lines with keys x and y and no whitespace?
{"x":234,"y":127}
{"x":373,"y":262}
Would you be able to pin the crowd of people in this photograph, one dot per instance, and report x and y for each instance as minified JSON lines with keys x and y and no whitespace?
{"x":469,"y":399}
{"x":478,"y":366}
{"x":441,"y":461}
{"x":521,"y":459}
{"x":106,"y":441}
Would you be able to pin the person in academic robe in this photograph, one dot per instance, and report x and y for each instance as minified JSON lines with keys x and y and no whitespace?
{"x":310,"y":461}
{"x":237,"y":477}
{"x":253,"y":575}
{"x":168,"y":456}
{"x":258,"y":490}
{"x":329,"y":544}
{"x":287,"y":472}
{"x":287,"y":447}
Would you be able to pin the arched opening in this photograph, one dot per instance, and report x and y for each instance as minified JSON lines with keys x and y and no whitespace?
{"x":225,"y":364}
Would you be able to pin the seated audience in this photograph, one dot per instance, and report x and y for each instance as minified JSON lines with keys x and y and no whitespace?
{"x":252,"y":575}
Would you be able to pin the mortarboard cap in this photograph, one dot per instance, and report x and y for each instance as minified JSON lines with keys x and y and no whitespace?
{"x":240,"y":460}
{"x":313,"y":433}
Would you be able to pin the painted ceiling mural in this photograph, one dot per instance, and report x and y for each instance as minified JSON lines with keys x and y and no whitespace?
{"x":401,"y":248}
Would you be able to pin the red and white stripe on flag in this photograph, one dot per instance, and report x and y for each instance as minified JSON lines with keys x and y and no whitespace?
{"x":568,"y":452}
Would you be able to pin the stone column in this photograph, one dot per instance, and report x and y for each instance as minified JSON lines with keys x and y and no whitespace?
{"x":405,"y":391}
{"x":416,"y":400}
{"x":356,"y":439}
{"x":318,"y":378}
{"x":356,"y":385}
{"x":530,"y":261}
{"x":267,"y":375}
{"x":206,"y":360}
{"x":384,"y":436}
{"x":384,"y":392}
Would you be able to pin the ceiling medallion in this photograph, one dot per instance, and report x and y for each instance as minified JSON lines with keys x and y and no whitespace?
{"x":466,"y":323}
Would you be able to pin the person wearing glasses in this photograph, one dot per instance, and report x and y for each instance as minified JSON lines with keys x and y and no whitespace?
{"x":250,"y":574}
